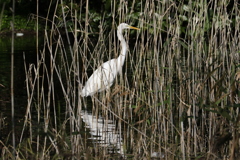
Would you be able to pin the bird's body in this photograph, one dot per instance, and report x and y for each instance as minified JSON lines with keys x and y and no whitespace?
{"x":101,"y":79}
{"x":104,"y":76}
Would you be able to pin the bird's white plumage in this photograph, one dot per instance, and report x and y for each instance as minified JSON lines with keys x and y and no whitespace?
{"x":104,"y":76}
{"x":101,"y":79}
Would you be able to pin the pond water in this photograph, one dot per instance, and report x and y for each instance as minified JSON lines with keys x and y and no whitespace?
{"x":23,"y":45}
{"x":100,"y":131}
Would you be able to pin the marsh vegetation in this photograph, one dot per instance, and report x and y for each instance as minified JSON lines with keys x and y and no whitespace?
{"x":177,"y":96}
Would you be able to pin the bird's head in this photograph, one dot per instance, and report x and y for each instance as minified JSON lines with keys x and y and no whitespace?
{"x":126,"y":26}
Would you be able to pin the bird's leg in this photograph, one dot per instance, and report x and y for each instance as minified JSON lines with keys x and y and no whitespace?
{"x":93,"y":103}
{"x":108,"y":96}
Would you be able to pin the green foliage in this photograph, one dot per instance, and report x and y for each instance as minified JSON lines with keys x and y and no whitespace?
{"x":21,"y":23}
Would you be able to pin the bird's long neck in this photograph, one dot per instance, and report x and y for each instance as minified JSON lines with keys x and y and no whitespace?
{"x":121,"y":58}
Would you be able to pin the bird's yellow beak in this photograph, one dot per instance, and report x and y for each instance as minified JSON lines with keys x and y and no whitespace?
{"x":134,"y":28}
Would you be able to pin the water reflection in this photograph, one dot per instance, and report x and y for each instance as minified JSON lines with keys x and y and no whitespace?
{"x":103,"y":132}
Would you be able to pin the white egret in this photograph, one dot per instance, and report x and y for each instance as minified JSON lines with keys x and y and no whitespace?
{"x":104,"y":76}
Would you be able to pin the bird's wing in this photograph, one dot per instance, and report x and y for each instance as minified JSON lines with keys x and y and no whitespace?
{"x":109,"y":72}
{"x":101,"y":79}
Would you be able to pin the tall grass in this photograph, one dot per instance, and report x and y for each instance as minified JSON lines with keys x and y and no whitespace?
{"x":177,"y":96}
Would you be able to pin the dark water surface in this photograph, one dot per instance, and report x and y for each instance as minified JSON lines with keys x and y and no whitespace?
{"x":99,"y":130}
{"x":22,"y":45}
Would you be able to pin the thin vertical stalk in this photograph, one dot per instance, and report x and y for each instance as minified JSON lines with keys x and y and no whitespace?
{"x":12,"y":78}
{"x":1,"y":15}
{"x":182,"y":141}
{"x":65,"y":25}
{"x":86,"y":30}
{"x":38,"y":120}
